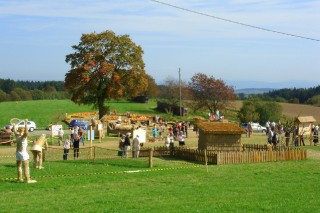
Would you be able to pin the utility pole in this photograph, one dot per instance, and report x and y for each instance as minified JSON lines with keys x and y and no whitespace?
{"x":180,"y":92}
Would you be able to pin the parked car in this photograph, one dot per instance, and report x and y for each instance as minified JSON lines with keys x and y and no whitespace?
{"x":31,"y":126}
{"x":256,"y":127}
{"x":80,"y":123}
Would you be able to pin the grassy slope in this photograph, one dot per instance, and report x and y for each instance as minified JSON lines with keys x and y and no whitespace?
{"x":45,"y":112}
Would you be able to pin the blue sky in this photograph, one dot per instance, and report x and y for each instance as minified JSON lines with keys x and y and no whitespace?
{"x":36,"y":35}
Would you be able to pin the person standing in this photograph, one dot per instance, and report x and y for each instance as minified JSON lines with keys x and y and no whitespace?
{"x":270,"y":136}
{"x":121,"y":144}
{"x":160,"y":131}
{"x":76,"y":144}
{"x":267,"y":127}
{"x":72,"y":134}
{"x":22,"y":155}
{"x":155,"y":132}
{"x":167,"y":141}
{"x":287,"y":136}
{"x":275,"y":138}
{"x":136,"y":147}
{"x":127,"y":145}
{"x":66,"y":148}
{"x":76,"y":129}
{"x":250,"y":130}
{"x":60,"y":136}
{"x":181,"y":139}
{"x":316,"y":135}
{"x":273,"y":125}
{"x":81,"y":135}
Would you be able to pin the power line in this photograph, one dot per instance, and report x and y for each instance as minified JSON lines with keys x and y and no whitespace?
{"x":234,"y":22}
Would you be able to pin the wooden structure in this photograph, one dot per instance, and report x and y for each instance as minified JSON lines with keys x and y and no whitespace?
{"x":304,"y":125}
{"x":219,"y":134}
{"x":6,"y":138}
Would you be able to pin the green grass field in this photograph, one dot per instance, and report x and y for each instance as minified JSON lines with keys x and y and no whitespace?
{"x":44,"y":112}
{"x":128,"y":185}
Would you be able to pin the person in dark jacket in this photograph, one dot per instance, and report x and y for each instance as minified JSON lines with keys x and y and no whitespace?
{"x":127,"y":145}
{"x":76,"y":144}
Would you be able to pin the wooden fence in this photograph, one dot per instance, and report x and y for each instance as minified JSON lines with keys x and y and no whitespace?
{"x":260,"y":154}
{"x":203,"y":156}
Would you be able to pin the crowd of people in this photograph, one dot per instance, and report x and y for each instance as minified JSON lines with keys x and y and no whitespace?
{"x":73,"y":140}
{"x":177,"y":132}
{"x":276,"y":131}
{"x":161,"y":131}
{"x":125,"y":145}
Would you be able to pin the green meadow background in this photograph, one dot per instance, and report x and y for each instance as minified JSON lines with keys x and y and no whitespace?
{"x":45,"y":112}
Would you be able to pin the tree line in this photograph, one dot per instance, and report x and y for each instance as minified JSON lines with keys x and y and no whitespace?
{"x":11,"y":90}
{"x":295,"y":95}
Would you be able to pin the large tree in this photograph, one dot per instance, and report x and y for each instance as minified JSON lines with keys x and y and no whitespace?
{"x":105,"y":66}
{"x":210,"y":93}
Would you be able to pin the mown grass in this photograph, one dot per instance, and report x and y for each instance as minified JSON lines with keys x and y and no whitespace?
{"x":170,"y":187}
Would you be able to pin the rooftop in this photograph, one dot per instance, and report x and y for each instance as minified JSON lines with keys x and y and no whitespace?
{"x":305,"y":119}
{"x":221,"y":128}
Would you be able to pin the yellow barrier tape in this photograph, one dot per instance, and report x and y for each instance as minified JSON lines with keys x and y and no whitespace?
{"x":106,"y":173}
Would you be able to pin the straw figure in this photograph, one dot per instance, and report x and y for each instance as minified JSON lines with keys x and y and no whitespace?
{"x":39,"y":145}
{"x":22,"y":155}
{"x":95,"y":126}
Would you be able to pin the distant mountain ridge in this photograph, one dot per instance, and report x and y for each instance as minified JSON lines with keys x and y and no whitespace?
{"x":248,"y":91}
{"x":273,"y":85}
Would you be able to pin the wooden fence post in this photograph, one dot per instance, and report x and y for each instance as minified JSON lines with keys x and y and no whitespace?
{"x":150,"y":158}
{"x":94,"y":154}
{"x":206,"y":159}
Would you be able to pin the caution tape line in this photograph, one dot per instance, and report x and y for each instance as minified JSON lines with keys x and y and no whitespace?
{"x":105,"y":173}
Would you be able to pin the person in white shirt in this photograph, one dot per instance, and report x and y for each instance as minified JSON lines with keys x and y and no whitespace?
{"x":136,"y":147}
{"x":66,"y":148}
{"x":60,"y":136}
{"x":181,"y":139}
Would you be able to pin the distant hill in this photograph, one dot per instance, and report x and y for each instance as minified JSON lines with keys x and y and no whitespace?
{"x":239,"y":84}
{"x":250,"y":91}
{"x":292,"y":110}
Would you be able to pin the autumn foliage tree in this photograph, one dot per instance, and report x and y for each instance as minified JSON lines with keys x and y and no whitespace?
{"x":105,"y":66}
{"x":210,"y":93}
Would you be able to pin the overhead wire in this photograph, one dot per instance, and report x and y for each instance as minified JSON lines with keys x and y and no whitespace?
{"x":235,"y":22}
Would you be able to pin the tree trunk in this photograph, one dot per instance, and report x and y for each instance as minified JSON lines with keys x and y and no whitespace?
{"x":101,"y":109}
